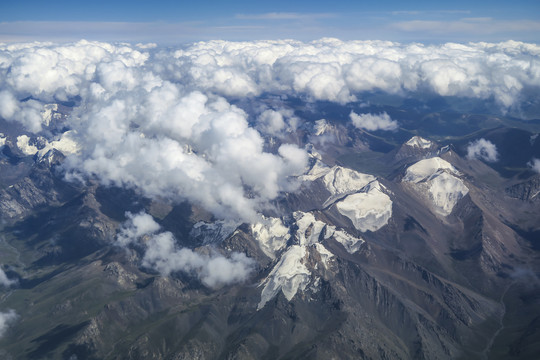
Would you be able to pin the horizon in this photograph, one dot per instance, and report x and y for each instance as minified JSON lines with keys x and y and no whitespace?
{"x":171,"y":23}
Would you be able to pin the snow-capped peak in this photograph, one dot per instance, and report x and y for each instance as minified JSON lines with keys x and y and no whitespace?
{"x":340,"y":180}
{"x":288,"y":276}
{"x":50,"y":111}
{"x":316,"y":168}
{"x":356,"y":195}
{"x":211,"y":233}
{"x":424,"y":169}
{"x":369,"y":209}
{"x":321,"y":126}
{"x":419,"y":142}
{"x":439,"y":181}
{"x":309,"y":229}
{"x":291,"y":273}
{"x":272,"y":236}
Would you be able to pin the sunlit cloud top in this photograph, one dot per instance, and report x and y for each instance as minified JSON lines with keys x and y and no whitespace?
{"x":165,"y":120}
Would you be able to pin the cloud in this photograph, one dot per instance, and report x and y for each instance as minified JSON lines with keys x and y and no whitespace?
{"x":209,"y":149}
{"x":6,"y":318}
{"x":482,"y":149}
{"x":23,"y":143}
{"x":333,"y":70}
{"x":163,"y":255}
{"x":271,"y":122}
{"x":212,"y":270}
{"x":430,"y":12}
{"x":277,"y":122}
{"x":373,"y":122}
{"x":4,"y":280}
{"x":285,"y":16}
{"x":535,"y":165}
{"x":162,"y":120}
{"x":326,"y":69}
{"x":182,"y":146}
{"x":135,"y":227}
{"x":27,"y":113}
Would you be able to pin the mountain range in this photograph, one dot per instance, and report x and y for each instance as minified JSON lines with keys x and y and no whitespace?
{"x":401,"y":244}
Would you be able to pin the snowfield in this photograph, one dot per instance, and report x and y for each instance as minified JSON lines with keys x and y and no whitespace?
{"x":440,"y":181}
{"x":369,"y":210}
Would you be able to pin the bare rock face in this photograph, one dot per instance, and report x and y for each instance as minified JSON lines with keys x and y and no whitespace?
{"x":40,"y":188}
{"x":416,"y":148}
{"x":527,"y":191}
{"x":125,"y":279}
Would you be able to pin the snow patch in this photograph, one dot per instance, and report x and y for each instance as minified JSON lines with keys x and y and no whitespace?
{"x":424,"y":169}
{"x":66,"y":145}
{"x":368,"y":210}
{"x":340,"y":180}
{"x":212,"y":233}
{"x":309,"y":229}
{"x":288,"y":276}
{"x":326,"y":255}
{"x":23,"y":143}
{"x":365,"y":204}
{"x":318,"y":169}
{"x":271,"y":235}
{"x":445,"y":191}
{"x":321,"y":126}
{"x":50,"y":111}
{"x":439,"y":180}
{"x":350,"y":243}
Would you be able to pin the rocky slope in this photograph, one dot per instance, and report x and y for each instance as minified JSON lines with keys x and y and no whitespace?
{"x":427,"y":264}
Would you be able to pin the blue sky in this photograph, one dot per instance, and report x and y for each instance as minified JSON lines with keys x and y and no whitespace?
{"x":171,"y":22}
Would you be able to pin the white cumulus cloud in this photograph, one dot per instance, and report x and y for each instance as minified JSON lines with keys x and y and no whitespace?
{"x":6,"y":319}
{"x":373,"y":122}
{"x":4,"y":280}
{"x":163,"y":255}
{"x":277,"y":122}
{"x":326,"y":69}
{"x":482,"y":149}
{"x":535,"y":165}
{"x":334,"y":70}
{"x":163,"y":141}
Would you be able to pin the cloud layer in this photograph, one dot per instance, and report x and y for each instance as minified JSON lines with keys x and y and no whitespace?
{"x":333,"y":70}
{"x":327,"y":69}
{"x":162,"y":254}
{"x":162,"y":121}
